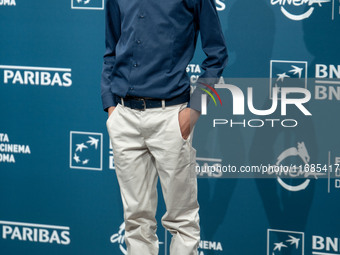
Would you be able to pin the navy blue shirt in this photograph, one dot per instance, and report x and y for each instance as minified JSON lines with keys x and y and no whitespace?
{"x":149,"y":44}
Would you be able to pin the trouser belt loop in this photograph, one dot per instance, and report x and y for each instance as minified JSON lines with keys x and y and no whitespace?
{"x":122,"y":100}
{"x":163,"y":104}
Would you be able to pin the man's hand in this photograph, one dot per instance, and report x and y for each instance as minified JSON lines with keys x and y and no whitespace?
{"x":110,"y":110}
{"x":187,"y":119}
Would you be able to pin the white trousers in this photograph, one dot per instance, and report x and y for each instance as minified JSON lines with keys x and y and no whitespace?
{"x":148,"y":144}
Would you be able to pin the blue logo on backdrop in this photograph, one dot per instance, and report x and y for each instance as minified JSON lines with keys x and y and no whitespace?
{"x":87,"y":4}
{"x":285,"y":242}
{"x":86,"y":150}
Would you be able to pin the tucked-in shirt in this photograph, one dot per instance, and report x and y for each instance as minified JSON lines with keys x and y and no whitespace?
{"x":149,"y":44}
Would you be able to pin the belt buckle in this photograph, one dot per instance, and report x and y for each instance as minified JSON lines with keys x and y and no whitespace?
{"x":144,"y":104}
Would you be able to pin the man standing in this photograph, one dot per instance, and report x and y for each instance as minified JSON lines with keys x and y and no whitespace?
{"x":146,"y":91}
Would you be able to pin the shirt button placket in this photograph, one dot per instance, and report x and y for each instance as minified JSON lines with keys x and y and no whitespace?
{"x":138,"y":41}
{"x":135,"y":64}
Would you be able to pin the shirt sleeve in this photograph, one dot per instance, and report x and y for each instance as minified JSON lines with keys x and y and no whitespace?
{"x":112,"y":35}
{"x":213,"y":45}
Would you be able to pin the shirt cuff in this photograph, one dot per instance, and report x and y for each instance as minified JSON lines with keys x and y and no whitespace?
{"x":195,"y":100}
{"x":108,"y":100}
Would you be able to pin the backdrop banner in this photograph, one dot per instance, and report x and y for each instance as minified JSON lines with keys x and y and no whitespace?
{"x":268,"y":143}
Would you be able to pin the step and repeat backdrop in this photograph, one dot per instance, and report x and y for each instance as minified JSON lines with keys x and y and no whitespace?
{"x":268,"y":148}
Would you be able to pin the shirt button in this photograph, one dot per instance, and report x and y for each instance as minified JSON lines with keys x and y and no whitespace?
{"x":141,"y":16}
{"x":138,"y":41}
{"x":135,"y":64}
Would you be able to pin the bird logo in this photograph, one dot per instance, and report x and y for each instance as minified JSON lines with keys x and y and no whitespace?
{"x":282,"y":76}
{"x":278,"y":246}
{"x":294,"y":240}
{"x":291,"y":242}
{"x":285,"y":242}
{"x":76,"y":158}
{"x":287,"y":74}
{"x":93,"y":141}
{"x":296,"y":70}
{"x":79,"y":147}
{"x":86,"y":150}
{"x":85,"y":1}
